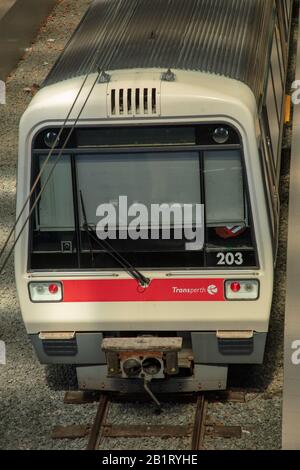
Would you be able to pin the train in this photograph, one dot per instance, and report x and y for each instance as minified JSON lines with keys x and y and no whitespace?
{"x":173,"y":109}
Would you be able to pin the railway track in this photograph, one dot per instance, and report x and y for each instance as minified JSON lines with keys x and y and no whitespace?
{"x":101,"y":428}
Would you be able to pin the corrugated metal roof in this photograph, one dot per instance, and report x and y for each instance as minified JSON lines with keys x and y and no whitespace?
{"x":226,"y":37}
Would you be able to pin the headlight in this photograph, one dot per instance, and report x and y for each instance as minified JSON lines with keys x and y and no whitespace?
{"x":242,"y":290}
{"x":221,"y":135}
{"x":50,"y":138}
{"x":45,"y":291}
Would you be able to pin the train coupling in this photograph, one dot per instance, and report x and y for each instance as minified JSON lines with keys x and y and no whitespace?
{"x":144,"y":357}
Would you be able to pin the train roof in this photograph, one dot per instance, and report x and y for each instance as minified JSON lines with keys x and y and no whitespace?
{"x":229,"y":38}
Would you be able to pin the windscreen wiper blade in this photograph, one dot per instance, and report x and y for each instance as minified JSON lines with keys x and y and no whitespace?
{"x":134,"y":272}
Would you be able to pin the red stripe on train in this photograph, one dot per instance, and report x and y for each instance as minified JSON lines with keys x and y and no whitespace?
{"x":160,"y":290}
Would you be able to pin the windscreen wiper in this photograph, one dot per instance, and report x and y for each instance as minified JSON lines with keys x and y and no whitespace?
{"x":134,"y":272}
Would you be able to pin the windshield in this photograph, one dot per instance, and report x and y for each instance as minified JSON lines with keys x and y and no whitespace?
{"x":144,"y":178}
{"x":139,"y":199}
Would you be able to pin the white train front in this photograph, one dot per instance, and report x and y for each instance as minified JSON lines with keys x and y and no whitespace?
{"x":181,"y":102}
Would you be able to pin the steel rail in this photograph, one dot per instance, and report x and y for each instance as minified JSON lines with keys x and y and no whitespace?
{"x":101,"y":429}
{"x":96,"y":429}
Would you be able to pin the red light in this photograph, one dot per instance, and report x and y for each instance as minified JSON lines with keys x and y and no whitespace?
{"x":53,"y":289}
{"x":235,"y":287}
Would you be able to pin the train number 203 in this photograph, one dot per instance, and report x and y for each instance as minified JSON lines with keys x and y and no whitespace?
{"x":230,"y":259}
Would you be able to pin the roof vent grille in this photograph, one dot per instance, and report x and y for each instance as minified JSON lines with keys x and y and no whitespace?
{"x":133,"y":102}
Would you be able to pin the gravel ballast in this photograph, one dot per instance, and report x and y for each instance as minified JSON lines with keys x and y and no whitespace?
{"x":29,"y":406}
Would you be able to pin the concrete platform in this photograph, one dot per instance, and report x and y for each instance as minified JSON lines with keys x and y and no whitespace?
{"x":19,"y":23}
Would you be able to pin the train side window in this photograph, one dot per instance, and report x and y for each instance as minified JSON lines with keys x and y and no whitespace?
{"x":270,"y":185}
{"x":283,"y":29}
{"x":284,"y":7}
{"x":280,"y":55}
{"x":224,"y":188}
{"x":287,"y":8}
{"x":284,"y":17}
{"x":275,"y":94}
{"x":277,"y":72}
{"x":272,"y":114}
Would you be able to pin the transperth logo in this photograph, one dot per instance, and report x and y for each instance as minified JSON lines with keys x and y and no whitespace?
{"x":211,"y":290}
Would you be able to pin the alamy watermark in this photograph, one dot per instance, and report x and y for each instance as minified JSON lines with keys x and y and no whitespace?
{"x":156,"y":221}
{"x":2,"y":353}
{"x":2,"y":92}
{"x":296,"y":352}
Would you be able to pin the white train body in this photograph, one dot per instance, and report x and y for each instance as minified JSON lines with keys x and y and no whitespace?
{"x":219,"y":324}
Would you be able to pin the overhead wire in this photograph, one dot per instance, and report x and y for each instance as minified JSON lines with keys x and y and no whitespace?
{"x":42,"y":170}
{"x":38,"y":196}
